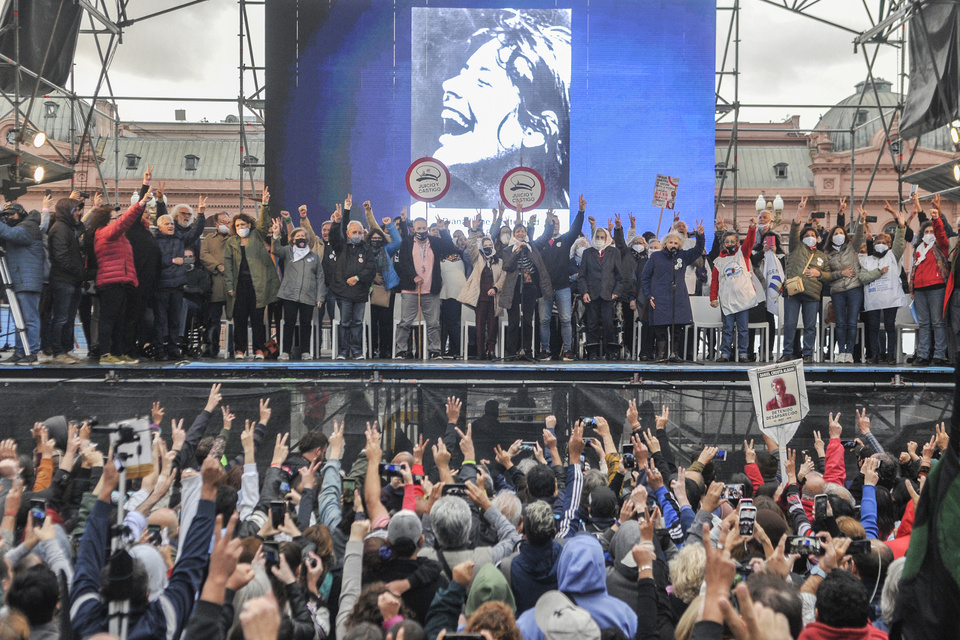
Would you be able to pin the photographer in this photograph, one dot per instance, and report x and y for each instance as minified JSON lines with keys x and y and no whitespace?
{"x":20,"y":235}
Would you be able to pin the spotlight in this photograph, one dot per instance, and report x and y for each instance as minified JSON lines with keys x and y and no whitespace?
{"x":38,"y":173}
{"x":39,"y":138}
{"x":956,"y":172}
{"x":955,"y":133}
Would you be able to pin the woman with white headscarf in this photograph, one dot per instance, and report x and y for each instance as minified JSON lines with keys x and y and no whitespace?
{"x":601,"y":283}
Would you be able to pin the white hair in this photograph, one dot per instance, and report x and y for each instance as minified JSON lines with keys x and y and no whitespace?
{"x":509,"y":505}
{"x":165,"y":217}
{"x":672,"y":234}
{"x":354,"y":222}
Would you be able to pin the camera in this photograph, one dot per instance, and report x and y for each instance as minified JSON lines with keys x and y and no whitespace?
{"x":132,"y":443}
{"x":819,"y":215}
{"x":458,"y":489}
{"x":871,"y":219}
{"x":84,"y":195}
{"x":805,"y":546}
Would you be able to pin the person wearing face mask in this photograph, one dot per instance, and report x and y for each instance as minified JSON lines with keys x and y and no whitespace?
{"x":635,"y":258}
{"x":601,"y":282}
{"x":302,"y":288}
{"x":556,"y":257}
{"x":418,"y":265}
{"x":732,"y":290}
{"x":882,"y":294}
{"x":211,"y":258}
{"x":810,"y":264}
{"x":527,"y":280}
{"x":928,"y":283}
{"x":382,"y":297}
{"x":251,"y":278}
{"x":169,"y":303}
{"x":482,"y":289}
{"x":664,"y":288}
{"x":196,"y":298}
{"x":846,"y":291}
{"x":22,"y":238}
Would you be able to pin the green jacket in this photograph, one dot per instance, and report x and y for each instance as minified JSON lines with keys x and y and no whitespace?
{"x":266,"y":281}
{"x":797,"y":263}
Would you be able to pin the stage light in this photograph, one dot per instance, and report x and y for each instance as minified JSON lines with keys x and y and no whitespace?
{"x":761,"y":203}
{"x":38,"y":174}
{"x":39,"y":138}
{"x":778,"y":204}
{"x":956,"y":172}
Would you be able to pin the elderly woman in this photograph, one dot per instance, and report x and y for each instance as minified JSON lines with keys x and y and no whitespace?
{"x":601,"y":283}
{"x":302,"y":289}
{"x":482,"y":289}
{"x":251,"y":278}
{"x":846,"y":291}
{"x":664,"y":288}
{"x":882,"y":293}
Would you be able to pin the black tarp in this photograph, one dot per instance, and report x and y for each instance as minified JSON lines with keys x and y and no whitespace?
{"x":40,"y":27}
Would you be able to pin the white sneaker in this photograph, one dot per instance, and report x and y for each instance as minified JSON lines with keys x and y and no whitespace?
{"x":848,"y":358}
{"x":44,"y":358}
{"x":284,"y":356}
{"x":306,"y":356}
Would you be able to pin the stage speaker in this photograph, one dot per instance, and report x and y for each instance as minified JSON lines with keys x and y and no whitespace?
{"x":43,"y":23}
{"x":934,"y":96}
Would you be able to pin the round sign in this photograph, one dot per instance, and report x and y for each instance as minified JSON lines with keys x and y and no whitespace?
{"x":428,"y":179}
{"x":523,"y":183}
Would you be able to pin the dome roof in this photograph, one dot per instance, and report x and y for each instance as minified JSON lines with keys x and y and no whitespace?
{"x":867,"y":121}
{"x":52,"y":114}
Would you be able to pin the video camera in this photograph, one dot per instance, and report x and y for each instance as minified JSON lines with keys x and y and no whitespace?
{"x":132,"y":443}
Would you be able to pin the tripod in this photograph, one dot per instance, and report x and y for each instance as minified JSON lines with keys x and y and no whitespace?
{"x":6,"y":287}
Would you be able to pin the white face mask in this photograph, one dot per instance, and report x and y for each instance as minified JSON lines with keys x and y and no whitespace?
{"x":838,"y":240}
{"x":880,"y":248}
{"x":810,"y":241}
{"x":928,"y":238}
{"x":599,"y":244}
{"x":762,"y":228}
{"x":580,"y":252}
{"x":223,"y":229}
{"x":243,"y":233}
{"x":638,"y":248}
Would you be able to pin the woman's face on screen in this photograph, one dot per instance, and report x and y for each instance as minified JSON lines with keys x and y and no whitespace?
{"x":480,"y":110}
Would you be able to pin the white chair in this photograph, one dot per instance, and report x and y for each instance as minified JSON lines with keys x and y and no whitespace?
{"x":422,"y":325}
{"x":905,"y":322}
{"x":637,"y":331}
{"x":763,"y":333}
{"x":367,"y":331}
{"x":468,"y":318}
{"x":706,"y":319}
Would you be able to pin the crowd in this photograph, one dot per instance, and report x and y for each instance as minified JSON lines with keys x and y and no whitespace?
{"x":549,"y":540}
{"x":163,"y":293}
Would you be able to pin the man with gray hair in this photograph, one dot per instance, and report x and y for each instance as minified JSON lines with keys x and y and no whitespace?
{"x":418,"y":265}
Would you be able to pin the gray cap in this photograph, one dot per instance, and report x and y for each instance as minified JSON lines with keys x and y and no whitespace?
{"x":404,"y":524}
{"x":559,"y":619}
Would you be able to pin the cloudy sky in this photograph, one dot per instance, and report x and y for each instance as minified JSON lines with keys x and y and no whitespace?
{"x":785,"y":59}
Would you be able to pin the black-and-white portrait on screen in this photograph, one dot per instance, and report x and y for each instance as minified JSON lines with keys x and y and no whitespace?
{"x":491,"y":87}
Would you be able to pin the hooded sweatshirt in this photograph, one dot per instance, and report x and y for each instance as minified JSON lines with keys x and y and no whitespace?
{"x":820,"y":631}
{"x":582,"y":577}
{"x":489,"y":585}
{"x":533,"y":572}
{"x":622,"y":579}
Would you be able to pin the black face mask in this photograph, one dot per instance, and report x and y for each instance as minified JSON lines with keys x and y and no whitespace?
{"x":673,"y":251}
{"x":376,"y":243}
{"x":421,"y":235}
{"x":488,"y":251}
{"x":300,"y":243}
{"x":730,"y":250}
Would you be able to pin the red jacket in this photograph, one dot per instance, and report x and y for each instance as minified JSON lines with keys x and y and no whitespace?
{"x":114,"y":253}
{"x":932,"y":271}
{"x":820,"y":631}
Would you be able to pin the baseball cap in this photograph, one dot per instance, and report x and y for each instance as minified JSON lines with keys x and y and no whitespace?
{"x":404,"y":524}
{"x":559,"y":619}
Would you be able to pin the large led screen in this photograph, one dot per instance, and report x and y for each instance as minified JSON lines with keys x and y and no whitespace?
{"x":599,"y":96}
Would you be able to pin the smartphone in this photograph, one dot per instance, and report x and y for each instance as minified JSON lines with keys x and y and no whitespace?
{"x":721,"y":456}
{"x":770,"y":242}
{"x":38,"y":509}
{"x":458,"y":489}
{"x":850,"y":444}
{"x":528,"y":445}
{"x":154,"y":534}
{"x":859,"y":547}
{"x":284,"y":487}
{"x":588,"y":441}
{"x":588,"y":422}
{"x":271,"y":554}
{"x":819,"y":214}
{"x":349,"y":486}
{"x":820,"y":503}
{"x":627,"y":449}
{"x":48,"y":192}
{"x":277,"y":510}
{"x":804,"y":546}
{"x":871,"y":219}
{"x":389,"y":469}
{"x":748,"y":518}
{"x":732,"y":492}
{"x":913,"y":190}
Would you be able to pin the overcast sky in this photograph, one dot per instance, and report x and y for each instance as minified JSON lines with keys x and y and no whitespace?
{"x":785,"y":58}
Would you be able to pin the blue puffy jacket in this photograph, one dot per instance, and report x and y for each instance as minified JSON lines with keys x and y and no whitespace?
{"x":25,"y":256}
{"x":174,"y":276}
{"x":582,"y":575}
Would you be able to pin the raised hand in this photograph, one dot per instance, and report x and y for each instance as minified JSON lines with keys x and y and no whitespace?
{"x":275,"y":228}
{"x":265,"y":196}
{"x":863,"y":422}
{"x":348,"y":202}
{"x":419,"y":449}
{"x":265,"y":411}
{"x":373,"y":451}
{"x":834,"y":426}
{"x":653,"y":443}
{"x":942,"y":437}
{"x":280,"y":449}
{"x":156,"y":413}
{"x":664,"y":418}
{"x":749,"y":453}
{"x":228,"y":417}
{"x":466,"y":442}
{"x":453,"y":409}
{"x":583,"y":203}
{"x":818,"y":444}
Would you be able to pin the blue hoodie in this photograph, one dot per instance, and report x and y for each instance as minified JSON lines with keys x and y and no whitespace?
{"x":583,"y":577}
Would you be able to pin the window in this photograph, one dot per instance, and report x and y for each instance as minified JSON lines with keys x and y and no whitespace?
{"x":862,"y":116}
{"x":780,"y":170}
{"x":190,"y":162}
{"x":133,"y":161}
{"x":720,"y":167}
{"x":50,"y":109}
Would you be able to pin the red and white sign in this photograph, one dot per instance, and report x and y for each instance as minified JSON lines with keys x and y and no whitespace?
{"x":428,"y":179}
{"x":523,"y":184}
{"x":665,"y":191}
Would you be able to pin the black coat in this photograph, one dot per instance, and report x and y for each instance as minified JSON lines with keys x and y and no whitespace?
{"x":442,"y":246}
{"x":146,"y":259}
{"x":601,"y":278}
{"x":63,"y":245}
{"x":556,"y":254}
{"x":351,"y":260}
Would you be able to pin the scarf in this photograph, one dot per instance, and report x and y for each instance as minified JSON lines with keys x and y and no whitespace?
{"x":300,"y":254}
